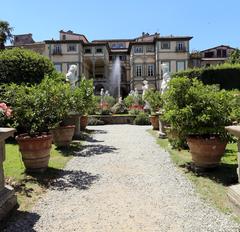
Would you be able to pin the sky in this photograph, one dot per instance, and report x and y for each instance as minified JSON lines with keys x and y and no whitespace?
{"x":210,"y":22}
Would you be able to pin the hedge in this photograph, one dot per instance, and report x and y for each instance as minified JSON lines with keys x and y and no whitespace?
{"x":227,"y":76}
{"x":23,"y":66}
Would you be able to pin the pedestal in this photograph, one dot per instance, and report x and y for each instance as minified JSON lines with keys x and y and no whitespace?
{"x":162,"y":130}
{"x":8,"y":200}
{"x":234,"y":190}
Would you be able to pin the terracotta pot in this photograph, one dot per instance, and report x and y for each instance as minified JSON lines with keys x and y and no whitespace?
{"x":83,"y":122}
{"x":206,"y":152}
{"x":35,"y":151}
{"x":62,"y":136}
{"x":154,"y":121}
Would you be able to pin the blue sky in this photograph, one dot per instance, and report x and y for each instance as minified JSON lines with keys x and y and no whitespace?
{"x":210,"y":22}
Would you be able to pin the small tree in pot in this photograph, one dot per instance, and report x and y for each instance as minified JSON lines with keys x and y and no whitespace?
{"x":37,"y":108}
{"x":154,"y":99}
{"x":199,"y":113}
{"x":84,"y":100}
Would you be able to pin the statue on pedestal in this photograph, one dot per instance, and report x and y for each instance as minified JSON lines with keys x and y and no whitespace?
{"x":166,"y":78}
{"x":71,"y":76}
{"x":145,"y":88}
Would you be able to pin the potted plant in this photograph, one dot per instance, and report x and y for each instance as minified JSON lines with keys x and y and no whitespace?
{"x":84,"y":101}
{"x":154,"y":99}
{"x":36,"y":108}
{"x":199,"y":113}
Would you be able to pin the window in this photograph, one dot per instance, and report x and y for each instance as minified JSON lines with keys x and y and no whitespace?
{"x":165,"y":45}
{"x":98,"y":76}
{"x":221,"y":53}
{"x":87,"y":50}
{"x":139,"y":70}
{"x":180,"y":46}
{"x":138,"y":49}
{"x":150,"y":70}
{"x":99,"y":50}
{"x":57,"y":49}
{"x":117,"y":45}
{"x":122,"y":58}
{"x":224,"y":53}
{"x":64,"y":37}
{"x":168,"y":65}
{"x":58,"y":67}
{"x":209,"y":54}
{"x":72,"y":48}
{"x":150,"y":49}
{"x":180,"y":65}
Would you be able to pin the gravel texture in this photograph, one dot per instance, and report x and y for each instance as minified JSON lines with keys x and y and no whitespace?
{"x":122,"y":181}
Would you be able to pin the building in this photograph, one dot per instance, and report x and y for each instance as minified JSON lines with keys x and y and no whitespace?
{"x":141,"y":57}
{"x":211,"y":56}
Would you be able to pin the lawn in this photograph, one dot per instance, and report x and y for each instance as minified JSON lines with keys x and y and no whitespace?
{"x":29,"y":187}
{"x":211,"y":185}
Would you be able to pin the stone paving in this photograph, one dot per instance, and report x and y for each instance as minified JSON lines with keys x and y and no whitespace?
{"x":122,"y":181}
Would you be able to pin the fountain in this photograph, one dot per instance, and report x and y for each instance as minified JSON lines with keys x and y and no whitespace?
{"x":116,"y":78}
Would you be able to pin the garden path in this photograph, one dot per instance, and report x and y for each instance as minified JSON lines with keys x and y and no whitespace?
{"x":123,"y":181}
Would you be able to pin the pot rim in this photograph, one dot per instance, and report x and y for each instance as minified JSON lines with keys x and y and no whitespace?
{"x":63,"y":127}
{"x":25,"y":137}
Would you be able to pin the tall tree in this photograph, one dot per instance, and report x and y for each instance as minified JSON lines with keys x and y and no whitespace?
{"x":5,"y":33}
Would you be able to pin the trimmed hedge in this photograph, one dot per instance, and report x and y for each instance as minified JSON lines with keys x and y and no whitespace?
{"x":227,"y":76}
{"x":23,"y":66}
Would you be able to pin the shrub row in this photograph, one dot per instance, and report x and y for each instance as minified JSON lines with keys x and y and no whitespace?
{"x":227,"y":76}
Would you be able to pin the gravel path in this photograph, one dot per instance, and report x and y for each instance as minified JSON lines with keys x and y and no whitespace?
{"x":123,"y":181}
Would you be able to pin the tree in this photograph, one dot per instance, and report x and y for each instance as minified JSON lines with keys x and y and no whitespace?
{"x":234,"y":58}
{"x":5,"y":33}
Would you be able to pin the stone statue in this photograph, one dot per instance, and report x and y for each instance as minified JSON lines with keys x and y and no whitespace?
{"x":145,"y":88}
{"x":166,"y":78}
{"x":135,"y":95}
{"x":71,"y":76}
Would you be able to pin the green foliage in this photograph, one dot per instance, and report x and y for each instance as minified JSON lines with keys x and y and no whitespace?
{"x":235,"y":114}
{"x":227,"y":76}
{"x":154,"y":98}
{"x":135,"y":111}
{"x":5,"y":33}
{"x":23,"y":66}
{"x":234,"y":57}
{"x":193,"y":108}
{"x":131,"y":100}
{"x":36,"y":108}
{"x":142,"y":119}
{"x":84,"y":100}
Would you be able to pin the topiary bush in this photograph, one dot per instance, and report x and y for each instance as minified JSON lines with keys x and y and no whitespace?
{"x":23,"y":66}
{"x":142,"y":119}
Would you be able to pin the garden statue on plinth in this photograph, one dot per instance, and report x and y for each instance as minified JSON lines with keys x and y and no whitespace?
{"x":8,"y":199}
{"x":145,"y":89}
{"x":166,"y":78}
{"x":163,"y":88}
{"x":71,"y":76}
